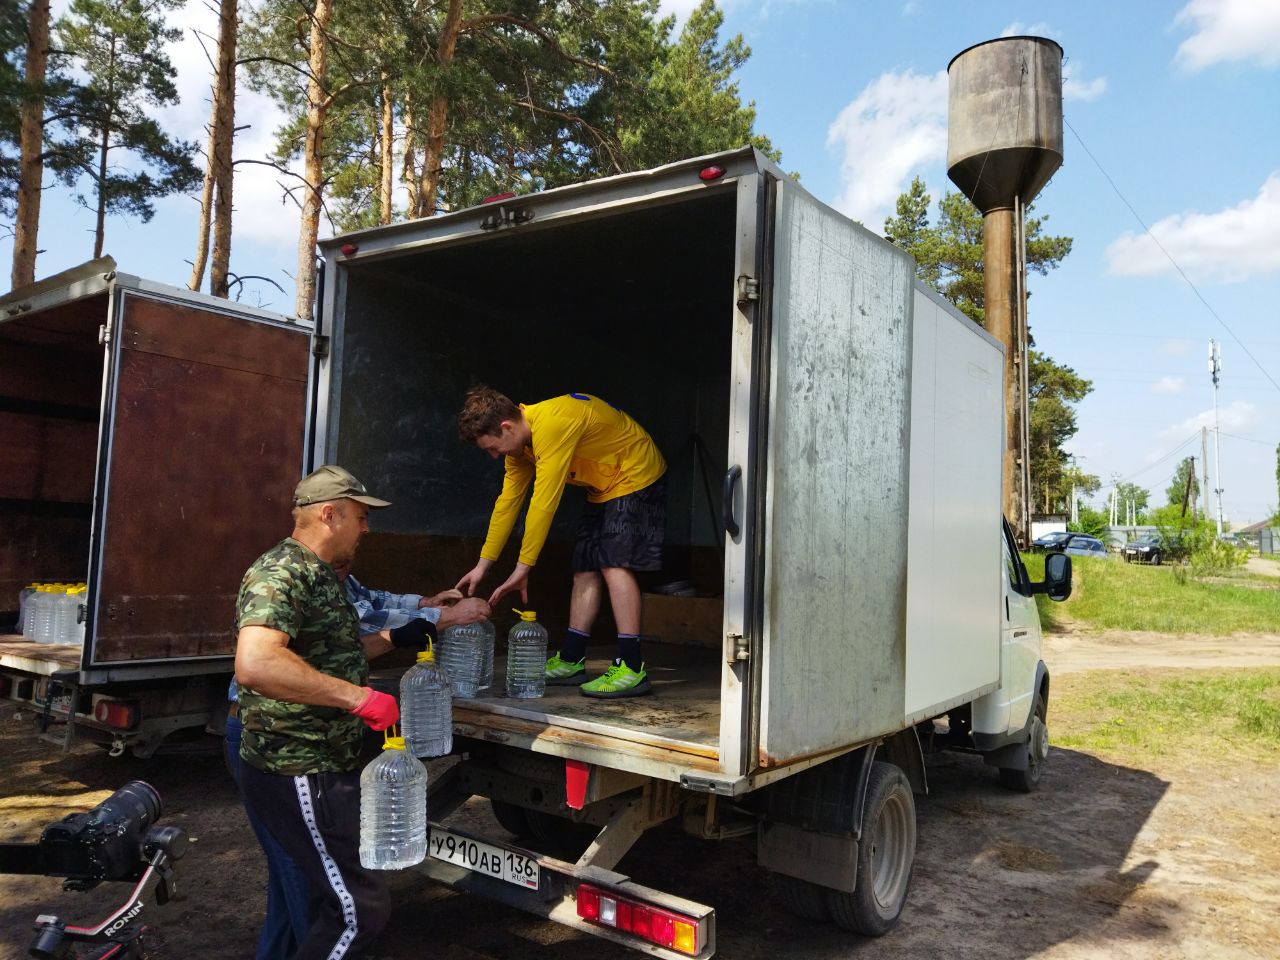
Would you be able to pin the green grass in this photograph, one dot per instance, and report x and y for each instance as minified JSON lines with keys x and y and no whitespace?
{"x":1113,"y":595}
{"x":1128,"y":714}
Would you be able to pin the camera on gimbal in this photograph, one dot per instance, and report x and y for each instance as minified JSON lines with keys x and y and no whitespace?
{"x":117,"y":840}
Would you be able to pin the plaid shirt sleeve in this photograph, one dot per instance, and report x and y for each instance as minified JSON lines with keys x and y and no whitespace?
{"x":379,"y":610}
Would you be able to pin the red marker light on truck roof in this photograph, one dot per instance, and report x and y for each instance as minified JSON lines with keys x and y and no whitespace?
{"x":653,"y":924}
{"x":707,"y":174}
{"x":498,"y":196}
{"x":348,"y":249}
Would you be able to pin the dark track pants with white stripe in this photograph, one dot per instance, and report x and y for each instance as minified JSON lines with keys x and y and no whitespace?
{"x":316,"y":819}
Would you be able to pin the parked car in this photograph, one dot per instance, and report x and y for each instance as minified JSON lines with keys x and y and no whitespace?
{"x":1051,"y":541}
{"x":1144,"y":550}
{"x":1083,"y":545}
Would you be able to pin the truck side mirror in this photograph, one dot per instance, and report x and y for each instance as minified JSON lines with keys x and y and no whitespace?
{"x":1057,"y":577}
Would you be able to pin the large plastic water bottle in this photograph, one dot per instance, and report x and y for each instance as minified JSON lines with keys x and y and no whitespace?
{"x":527,"y":657}
{"x":24,"y":598}
{"x":46,"y":602}
{"x":426,"y":708}
{"x":66,"y":615}
{"x":462,"y":656}
{"x":393,"y":809}
{"x":487,"y":643}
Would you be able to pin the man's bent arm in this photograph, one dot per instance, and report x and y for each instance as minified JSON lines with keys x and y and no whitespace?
{"x":265,"y":663}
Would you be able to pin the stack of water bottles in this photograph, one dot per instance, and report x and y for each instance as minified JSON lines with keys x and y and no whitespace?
{"x":426,"y":708}
{"x":466,"y":653}
{"x":51,"y":612}
{"x":393,"y":809}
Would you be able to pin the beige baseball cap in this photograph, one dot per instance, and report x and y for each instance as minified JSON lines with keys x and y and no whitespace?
{"x":332,"y":482}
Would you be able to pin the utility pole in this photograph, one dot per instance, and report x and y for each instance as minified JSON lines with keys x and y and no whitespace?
{"x":1191,"y":476}
{"x":1075,"y":504}
{"x":1215,"y":368}
{"x":1204,"y":468}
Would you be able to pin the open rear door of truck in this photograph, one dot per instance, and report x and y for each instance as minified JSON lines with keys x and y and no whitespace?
{"x":834,"y":518}
{"x":200,"y":448}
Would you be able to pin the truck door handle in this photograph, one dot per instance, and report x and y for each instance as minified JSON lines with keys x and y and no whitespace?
{"x":726,"y":501}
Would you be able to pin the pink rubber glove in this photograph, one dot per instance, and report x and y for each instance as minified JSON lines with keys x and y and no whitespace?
{"x":377,"y":710}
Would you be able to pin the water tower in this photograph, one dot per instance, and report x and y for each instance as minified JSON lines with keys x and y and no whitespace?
{"x":1004,"y":142}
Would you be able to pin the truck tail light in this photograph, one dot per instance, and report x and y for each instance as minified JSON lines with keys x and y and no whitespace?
{"x":653,"y":924}
{"x":116,"y":713}
{"x":707,"y":174}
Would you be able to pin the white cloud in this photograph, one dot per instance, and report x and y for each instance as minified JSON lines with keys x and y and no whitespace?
{"x":1229,"y":246}
{"x":897,"y":124}
{"x":1176,"y":347}
{"x":1239,"y":415}
{"x":1075,"y":87}
{"x":1168,"y":385}
{"x":1020,"y":29}
{"x":1228,"y":30}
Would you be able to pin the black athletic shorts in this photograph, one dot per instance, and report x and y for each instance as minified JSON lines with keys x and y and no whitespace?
{"x":623,"y":532}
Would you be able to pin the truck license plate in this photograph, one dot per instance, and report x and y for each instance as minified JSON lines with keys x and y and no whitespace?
{"x":484,"y":858}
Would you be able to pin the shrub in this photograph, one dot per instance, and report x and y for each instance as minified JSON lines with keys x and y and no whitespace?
{"x":1213,"y":556}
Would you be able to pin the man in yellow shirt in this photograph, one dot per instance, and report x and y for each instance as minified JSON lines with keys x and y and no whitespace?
{"x":581,"y":440}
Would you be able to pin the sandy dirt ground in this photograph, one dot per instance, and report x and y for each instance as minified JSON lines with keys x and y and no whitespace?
{"x":1177,"y":859}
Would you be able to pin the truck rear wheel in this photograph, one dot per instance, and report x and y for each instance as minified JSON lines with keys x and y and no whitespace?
{"x":511,"y":818}
{"x":886,"y":854}
{"x":806,"y":900}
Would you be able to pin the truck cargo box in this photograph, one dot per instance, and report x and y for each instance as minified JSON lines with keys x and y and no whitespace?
{"x":769,"y":345}
{"x":152,"y":440}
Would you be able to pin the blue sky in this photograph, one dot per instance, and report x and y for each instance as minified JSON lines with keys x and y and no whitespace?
{"x":1179,"y":103}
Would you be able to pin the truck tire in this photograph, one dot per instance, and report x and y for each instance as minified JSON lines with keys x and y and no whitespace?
{"x":806,"y":900}
{"x":1155,"y":558}
{"x":886,"y":855}
{"x":1037,"y":746}
{"x":511,"y":818}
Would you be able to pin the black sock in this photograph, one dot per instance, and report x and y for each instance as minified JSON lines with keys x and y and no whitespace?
{"x":575,"y":645}
{"x":629,"y":650}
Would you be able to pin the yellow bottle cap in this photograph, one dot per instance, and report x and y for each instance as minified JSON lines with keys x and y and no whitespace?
{"x":393,"y":743}
{"x":526,"y":615}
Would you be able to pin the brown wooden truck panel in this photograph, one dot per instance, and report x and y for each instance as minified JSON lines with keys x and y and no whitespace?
{"x":206,"y":449}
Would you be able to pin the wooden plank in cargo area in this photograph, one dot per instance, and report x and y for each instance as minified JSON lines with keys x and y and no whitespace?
{"x":43,"y":659}
{"x":682,"y":715}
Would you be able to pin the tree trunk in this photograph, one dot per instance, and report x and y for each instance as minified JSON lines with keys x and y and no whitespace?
{"x":433,"y":149}
{"x":201,"y":258}
{"x":31,"y":139}
{"x":103,"y":149}
{"x":313,"y":157}
{"x":408,"y":167}
{"x":388,"y":160}
{"x":223,"y":140}
{"x":100,"y":227}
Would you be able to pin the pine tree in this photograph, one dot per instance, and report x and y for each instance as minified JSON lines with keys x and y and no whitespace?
{"x":948,"y":258}
{"x":110,"y":132}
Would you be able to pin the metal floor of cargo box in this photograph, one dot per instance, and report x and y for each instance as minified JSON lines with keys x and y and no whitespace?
{"x":682,"y":714}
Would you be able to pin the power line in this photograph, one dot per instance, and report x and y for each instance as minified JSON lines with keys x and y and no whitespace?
{"x":1233,"y":436}
{"x":1169,"y":256}
{"x":1153,"y":463}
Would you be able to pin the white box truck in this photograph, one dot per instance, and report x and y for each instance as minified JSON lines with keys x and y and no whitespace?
{"x":872,"y":603}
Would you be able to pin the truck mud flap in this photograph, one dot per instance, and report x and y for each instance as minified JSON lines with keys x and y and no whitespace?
{"x":559,"y":886}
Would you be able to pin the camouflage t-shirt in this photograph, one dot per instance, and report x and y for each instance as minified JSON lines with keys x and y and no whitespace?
{"x":292,"y":590}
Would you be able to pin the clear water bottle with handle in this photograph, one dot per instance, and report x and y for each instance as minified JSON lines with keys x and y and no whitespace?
{"x":462,"y":657}
{"x":426,"y":708}
{"x":24,"y":600}
{"x":487,"y":643}
{"x":526,"y":657}
{"x":46,"y":604}
{"x":393,"y":809}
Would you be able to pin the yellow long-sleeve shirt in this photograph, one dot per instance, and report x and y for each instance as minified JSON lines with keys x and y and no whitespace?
{"x":577,"y":439}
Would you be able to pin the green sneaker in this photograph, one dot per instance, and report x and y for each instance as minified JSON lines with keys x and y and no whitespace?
{"x":618,"y":681}
{"x":563,"y":673}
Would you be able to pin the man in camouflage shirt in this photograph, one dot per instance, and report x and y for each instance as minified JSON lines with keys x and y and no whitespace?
{"x":303,"y":672}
